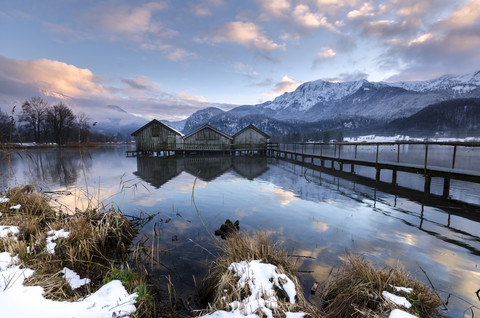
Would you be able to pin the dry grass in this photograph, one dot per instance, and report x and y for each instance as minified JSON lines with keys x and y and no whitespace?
{"x":220,"y":287}
{"x":355,"y":290}
{"x":96,"y":247}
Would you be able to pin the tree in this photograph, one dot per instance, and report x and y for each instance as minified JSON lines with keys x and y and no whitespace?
{"x":83,"y":126}
{"x":34,"y":113}
{"x":60,"y":120}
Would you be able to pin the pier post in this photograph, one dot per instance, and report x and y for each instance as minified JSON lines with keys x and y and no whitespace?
{"x":352,"y":168}
{"x":446,"y":188}
{"x":426,"y":159}
{"x":377,"y":175}
{"x":454,"y":155}
{"x":428,"y":183}
{"x":394,"y":176}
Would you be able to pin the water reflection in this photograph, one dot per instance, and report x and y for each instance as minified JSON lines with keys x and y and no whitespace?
{"x":157,"y":171}
{"x":47,"y":166}
{"x":312,"y":212}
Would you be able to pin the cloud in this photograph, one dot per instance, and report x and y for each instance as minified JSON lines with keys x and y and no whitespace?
{"x":450,"y":45}
{"x":138,"y":83}
{"x":54,"y":76}
{"x":285,"y":85}
{"x":305,"y":18}
{"x":247,"y":34}
{"x":348,"y":77}
{"x":86,"y":92}
{"x":139,"y":25}
{"x":275,"y":8}
{"x":388,"y":28}
{"x":326,"y":53}
{"x":466,"y":16}
{"x":203,"y":8}
{"x":124,"y":20}
{"x":365,"y":11}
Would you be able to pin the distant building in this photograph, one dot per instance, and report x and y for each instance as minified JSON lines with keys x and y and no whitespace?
{"x":155,"y":137}
{"x":207,"y":138}
{"x":250,"y":137}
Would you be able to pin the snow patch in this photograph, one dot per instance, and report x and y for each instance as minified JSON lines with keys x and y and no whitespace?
{"x":52,"y":236}
{"x":8,"y":229}
{"x":261,"y":279}
{"x":397,"y":313}
{"x":74,"y":279}
{"x":16,"y":207}
{"x":399,"y":300}
{"x":4,"y":200}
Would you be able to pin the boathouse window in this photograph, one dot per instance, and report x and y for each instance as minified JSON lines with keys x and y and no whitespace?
{"x":155,"y":131}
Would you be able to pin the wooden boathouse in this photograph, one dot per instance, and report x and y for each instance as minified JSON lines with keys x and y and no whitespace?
{"x":207,"y":138}
{"x":250,"y":137}
{"x":155,"y":137}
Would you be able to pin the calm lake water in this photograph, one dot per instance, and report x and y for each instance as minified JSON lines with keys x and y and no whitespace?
{"x":313,"y":214}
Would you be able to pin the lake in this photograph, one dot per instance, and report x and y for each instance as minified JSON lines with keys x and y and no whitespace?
{"x":314,"y":214}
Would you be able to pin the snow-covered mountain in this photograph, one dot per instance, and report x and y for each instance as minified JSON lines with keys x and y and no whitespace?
{"x":322,"y":100}
{"x":200,"y":118}
{"x":322,"y":105}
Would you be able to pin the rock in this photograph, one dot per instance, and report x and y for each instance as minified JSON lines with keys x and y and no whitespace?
{"x":228,"y":228}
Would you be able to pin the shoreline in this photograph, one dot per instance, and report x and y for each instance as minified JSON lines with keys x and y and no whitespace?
{"x":22,"y":207}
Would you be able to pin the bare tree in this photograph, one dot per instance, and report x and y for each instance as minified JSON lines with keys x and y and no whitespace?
{"x":83,"y":127}
{"x":60,"y":119}
{"x":34,"y":113}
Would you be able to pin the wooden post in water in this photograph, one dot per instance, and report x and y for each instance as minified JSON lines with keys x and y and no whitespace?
{"x":303,"y":157}
{"x":394,"y":176}
{"x":446,"y":188}
{"x":454,"y":155}
{"x":428,"y":182}
{"x":398,"y":153}
{"x":426,"y":159}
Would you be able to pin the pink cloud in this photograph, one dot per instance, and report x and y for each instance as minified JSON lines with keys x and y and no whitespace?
{"x":247,"y":34}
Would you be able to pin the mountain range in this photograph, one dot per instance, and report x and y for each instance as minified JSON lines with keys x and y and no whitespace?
{"x":356,"y":106}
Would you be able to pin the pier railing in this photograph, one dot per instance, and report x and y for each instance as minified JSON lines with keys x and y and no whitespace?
{"x":447,"y":160}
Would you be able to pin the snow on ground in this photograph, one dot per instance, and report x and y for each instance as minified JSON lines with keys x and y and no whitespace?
{"x":53,"y":236}
{"x":399,"y":300}
{"x":261,"y":279}
{"x":111,"y":300}
{"x":404,"y":289}
{"x":397,"y":313}
{"x":4,"y":200}
{"x":16,"y":207}
{"x":375,"y":138}
{"x":73,"y":278}
{"x":8,"y":229}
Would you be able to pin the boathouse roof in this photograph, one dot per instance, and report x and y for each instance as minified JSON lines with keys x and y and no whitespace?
{"x":154,"y":121}
{"x":251,"y":126}
{"x":210,"y":127}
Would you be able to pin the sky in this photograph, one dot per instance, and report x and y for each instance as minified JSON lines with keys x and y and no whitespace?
{"x":168,"y":59}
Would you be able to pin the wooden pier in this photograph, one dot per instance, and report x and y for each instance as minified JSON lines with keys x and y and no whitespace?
{"x":316,"y":154}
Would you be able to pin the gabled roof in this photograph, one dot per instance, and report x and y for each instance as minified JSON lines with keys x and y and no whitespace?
{"x":254,"y":128}
{"x":154,"y":121}
{"x":205,"y":127}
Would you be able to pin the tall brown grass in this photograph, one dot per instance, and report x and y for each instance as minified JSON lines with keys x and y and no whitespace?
{"x":220,"y":287}
{"x":355,"y":288}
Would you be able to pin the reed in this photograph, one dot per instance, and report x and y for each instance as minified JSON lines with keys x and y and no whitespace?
{"x":97,"y":248}
{"x":220,"y":287}
{"x":354,"y":289}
